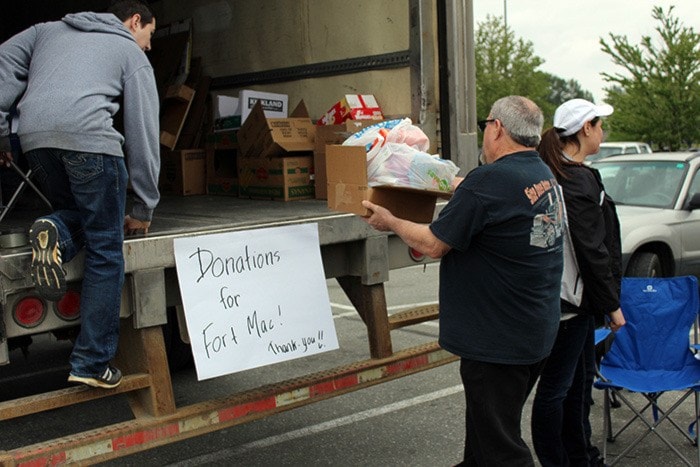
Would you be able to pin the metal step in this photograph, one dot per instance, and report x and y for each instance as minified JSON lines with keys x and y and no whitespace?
{"x":68,"y":396}
{"x":124,"y":438}
{"x":413,"y":316}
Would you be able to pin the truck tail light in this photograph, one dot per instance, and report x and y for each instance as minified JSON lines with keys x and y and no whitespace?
{"x":415,"y":254}
{"x":68,"y":307}
{"x":29,"y":312}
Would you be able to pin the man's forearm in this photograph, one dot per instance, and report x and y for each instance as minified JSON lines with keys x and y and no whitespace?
{"x":420,"y":237}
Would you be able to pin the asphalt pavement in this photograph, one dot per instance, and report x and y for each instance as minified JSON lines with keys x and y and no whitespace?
{"x":417,"y":420}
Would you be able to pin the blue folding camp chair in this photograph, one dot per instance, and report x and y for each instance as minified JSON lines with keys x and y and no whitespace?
{"x":651,"y":355}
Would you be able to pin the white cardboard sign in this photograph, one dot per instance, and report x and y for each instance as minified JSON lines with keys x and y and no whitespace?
{"x":254,"y":297}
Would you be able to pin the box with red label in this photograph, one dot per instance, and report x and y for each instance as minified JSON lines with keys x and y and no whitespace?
{"x":353,"y":107}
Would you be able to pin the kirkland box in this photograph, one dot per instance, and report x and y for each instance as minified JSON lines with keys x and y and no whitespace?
{"x":274,"y":105}
{"x":279,"y":178}
{"x":261,"y":137}
{"x":346,"y":168}
{"x":183,"y":172}
{"x":331,"y":134}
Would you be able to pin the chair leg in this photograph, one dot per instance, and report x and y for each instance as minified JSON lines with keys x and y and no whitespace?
{"x":651,"y":427}
{"x":607,"y":430}
{"x":614,"y":403}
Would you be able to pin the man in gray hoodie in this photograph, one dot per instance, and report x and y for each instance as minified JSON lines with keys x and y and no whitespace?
{"x":67,"y":78}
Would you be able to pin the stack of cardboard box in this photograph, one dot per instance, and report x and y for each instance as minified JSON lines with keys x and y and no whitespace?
{"x":276,"y":159}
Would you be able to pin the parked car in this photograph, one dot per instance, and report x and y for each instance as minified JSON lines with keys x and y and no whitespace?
{"x":658,"y":203}
{"x":623,"y":147}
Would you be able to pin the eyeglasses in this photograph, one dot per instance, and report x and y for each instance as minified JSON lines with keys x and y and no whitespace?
{"x":482,"y":123}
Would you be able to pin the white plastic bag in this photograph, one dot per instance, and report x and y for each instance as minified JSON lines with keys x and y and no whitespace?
{"x":398,"y":164}
{"x":374,"y":137}
{"x":406,"y":132}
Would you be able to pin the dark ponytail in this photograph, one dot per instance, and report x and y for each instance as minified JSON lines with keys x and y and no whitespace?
{"x":551,"y":150}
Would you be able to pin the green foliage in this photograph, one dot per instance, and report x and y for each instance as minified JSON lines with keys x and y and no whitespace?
{"x":562,"y":90}
{"x":657,"y":99}
{"x":507,"y":65}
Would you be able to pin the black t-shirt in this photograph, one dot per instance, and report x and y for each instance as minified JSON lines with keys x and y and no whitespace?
{"x":500,"y":282}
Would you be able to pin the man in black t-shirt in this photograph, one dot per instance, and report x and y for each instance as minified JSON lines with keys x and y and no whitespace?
{"x":500,"y":242}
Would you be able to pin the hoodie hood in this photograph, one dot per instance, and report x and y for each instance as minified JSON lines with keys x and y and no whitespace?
{"x":98,"y":22}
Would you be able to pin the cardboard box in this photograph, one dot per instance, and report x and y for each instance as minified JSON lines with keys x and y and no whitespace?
{"x":279,"y":178}
{"x":355,"y":107}
{"x":346,"y":168}
{"x":274,"y":105}
{"x":331,"y":134}
{"x":222,"y":171}
{"x":173,"y":112}
{"x":183,"y":172}
{"x":232,"y":122}
{"x":225,"y":106}
{"x":222,"y":140}
{"x":227,"y":112}
{"x":261,"y":137}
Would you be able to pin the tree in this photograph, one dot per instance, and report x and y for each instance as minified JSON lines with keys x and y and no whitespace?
{"x":507,"y":65}
{"x":658,"y":98}
{"x":562,"y":90}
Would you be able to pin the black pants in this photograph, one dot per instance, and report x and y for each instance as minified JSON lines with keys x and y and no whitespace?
{"x":496,"y":395}
{"x":558,"y":409}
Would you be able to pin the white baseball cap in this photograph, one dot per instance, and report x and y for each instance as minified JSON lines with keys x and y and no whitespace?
{"x":570,"y":117}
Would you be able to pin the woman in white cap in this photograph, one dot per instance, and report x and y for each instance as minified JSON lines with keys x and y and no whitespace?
{"x":560,"y":428}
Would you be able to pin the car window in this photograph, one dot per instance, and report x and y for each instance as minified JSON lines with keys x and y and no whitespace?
{"x":631,"y":150}
{"x":644,"y":149}
{"x":695,"y":186}
{"x":648,"y":183}
{"x":609,"y":151}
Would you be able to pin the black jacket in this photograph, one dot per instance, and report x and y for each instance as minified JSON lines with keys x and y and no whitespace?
{"x":595,"y":234}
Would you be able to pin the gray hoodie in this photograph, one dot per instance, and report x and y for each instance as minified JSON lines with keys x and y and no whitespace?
{"x":70,"y":75}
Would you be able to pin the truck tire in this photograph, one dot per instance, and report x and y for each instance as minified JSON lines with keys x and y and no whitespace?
{"x":645,"y":264}
{"x":179,"y":353}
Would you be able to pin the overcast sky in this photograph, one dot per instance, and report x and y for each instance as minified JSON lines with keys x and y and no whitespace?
{"x":566,"y":33}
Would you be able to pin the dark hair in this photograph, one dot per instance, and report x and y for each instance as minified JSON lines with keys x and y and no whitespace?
{"x":125,"y":9}
{"x":552,"y":146}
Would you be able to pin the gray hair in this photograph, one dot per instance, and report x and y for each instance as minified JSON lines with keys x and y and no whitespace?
{"x":522,"y":119}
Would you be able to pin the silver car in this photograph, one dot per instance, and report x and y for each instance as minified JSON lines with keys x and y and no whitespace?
{"x":658,"y":203}
{"x":621,"y":147}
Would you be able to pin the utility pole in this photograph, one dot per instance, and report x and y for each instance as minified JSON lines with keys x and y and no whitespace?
{"x":505,"y":13}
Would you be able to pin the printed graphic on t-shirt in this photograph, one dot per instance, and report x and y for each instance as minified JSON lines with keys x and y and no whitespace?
{"x":546,"y":226}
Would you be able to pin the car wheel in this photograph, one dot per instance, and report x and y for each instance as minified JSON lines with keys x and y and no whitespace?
{"x":645,"y":264}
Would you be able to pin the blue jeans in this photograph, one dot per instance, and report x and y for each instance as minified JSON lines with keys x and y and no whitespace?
{"x":88,"y":194}
{"x":558,"y":409}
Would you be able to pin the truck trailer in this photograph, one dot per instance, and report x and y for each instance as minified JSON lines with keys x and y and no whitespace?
{"x":415,"y":56}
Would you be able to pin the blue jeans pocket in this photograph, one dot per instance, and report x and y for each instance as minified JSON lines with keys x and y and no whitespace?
{"x":83,"y":167}
{"x":38,"y":172}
